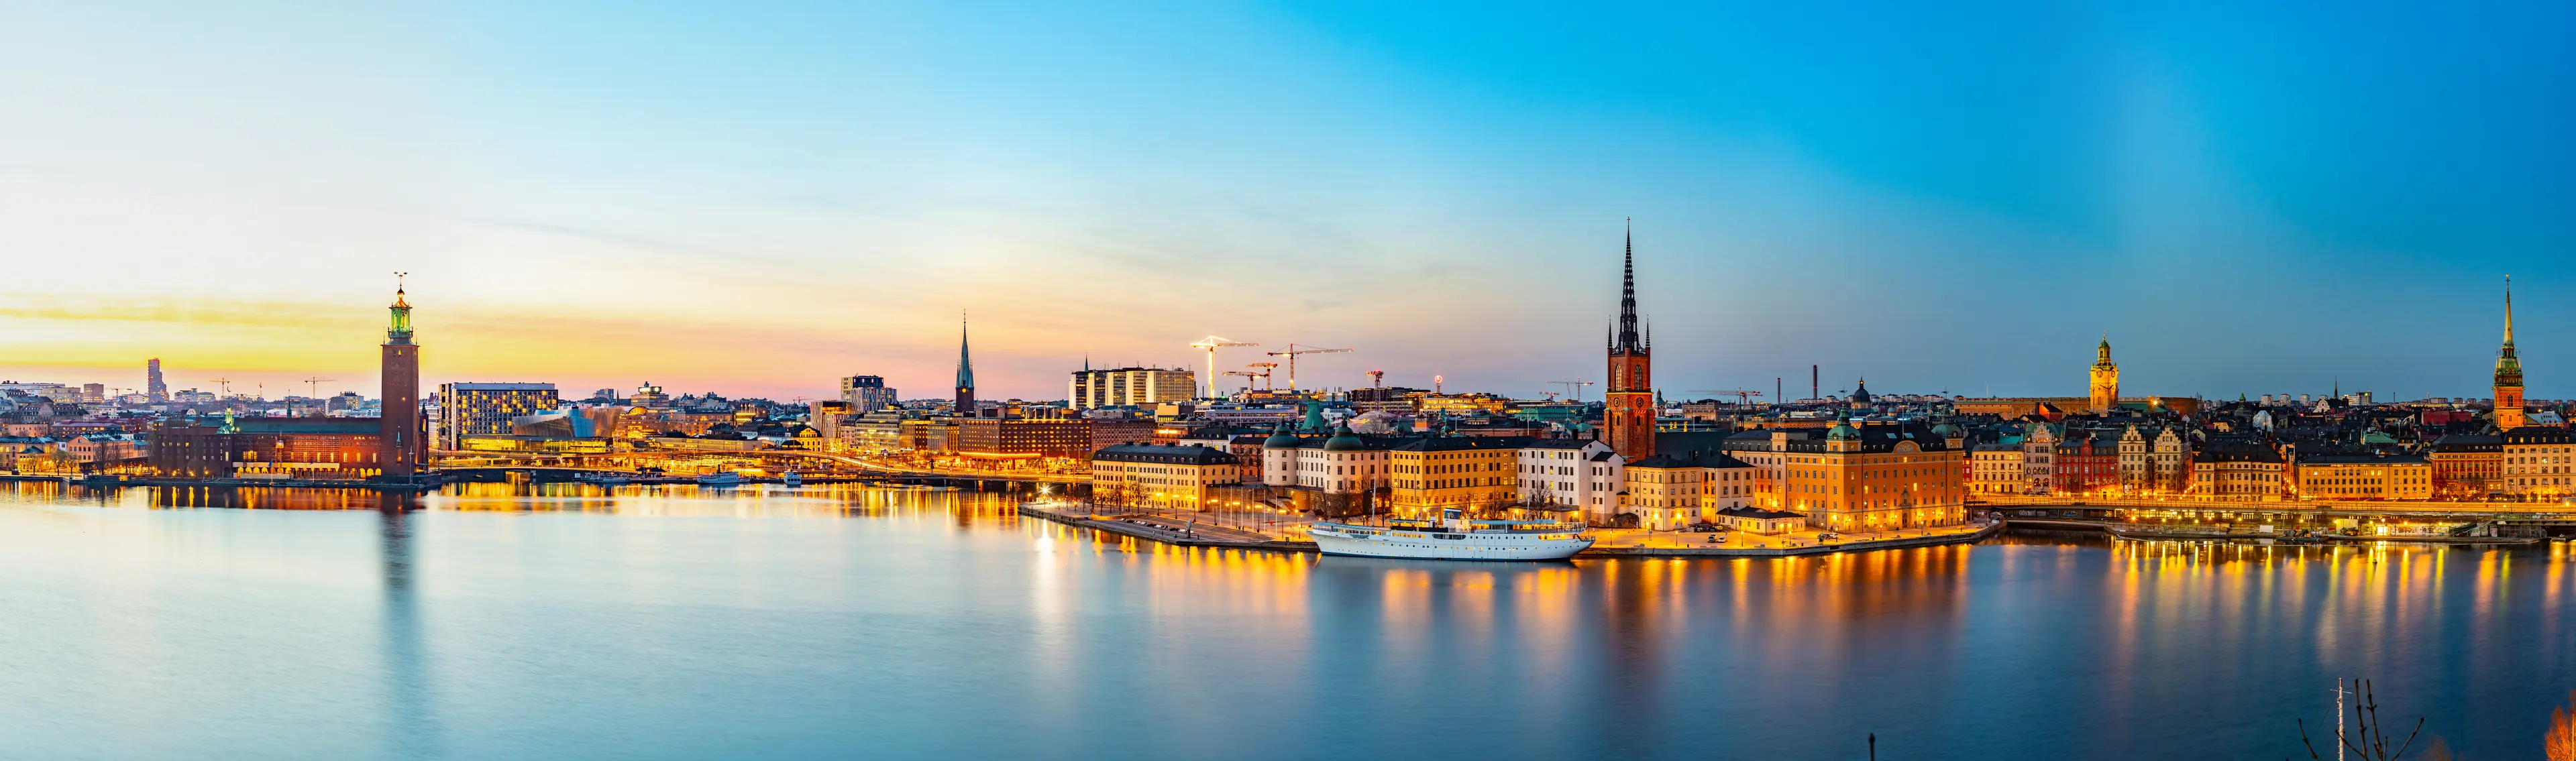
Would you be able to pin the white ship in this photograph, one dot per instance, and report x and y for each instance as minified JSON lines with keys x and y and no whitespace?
{"x":791,"y":479}
{"x":720,"y":478}
{"x":1453,"y":537}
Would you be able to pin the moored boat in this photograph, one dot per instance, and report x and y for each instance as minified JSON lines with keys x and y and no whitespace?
{"x":720,"y":478}
{"x":792,"y":479}
{"x":1453,"y":537}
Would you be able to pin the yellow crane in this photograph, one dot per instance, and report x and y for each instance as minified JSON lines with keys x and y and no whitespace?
{"x":224,"y":386}
{"x":1292,"y":353}
{"x":1574,"y":388}
{"x":314,"y":386}
{"x":1266,"y":367}
{"x":1210,"y":343}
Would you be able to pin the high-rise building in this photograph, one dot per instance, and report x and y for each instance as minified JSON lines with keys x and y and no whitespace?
{"x":866,"y":393}
{"x":398,"y":439}
{"x":1628,"y":422}
{"x":2106,"y":378}
{"x":153,"y":387}
{"x":467,"y":410}
{"x":2508,"y":373}
{"x":1129,"y":387}
{"x":965,"y":373}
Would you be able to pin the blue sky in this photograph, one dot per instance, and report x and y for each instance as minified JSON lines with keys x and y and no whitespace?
{"x":756,"y":199}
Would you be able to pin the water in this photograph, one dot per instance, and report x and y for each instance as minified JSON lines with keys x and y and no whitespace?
{"x":877,"y":623}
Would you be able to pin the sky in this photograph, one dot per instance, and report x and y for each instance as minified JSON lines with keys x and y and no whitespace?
{"x":757,"y":199}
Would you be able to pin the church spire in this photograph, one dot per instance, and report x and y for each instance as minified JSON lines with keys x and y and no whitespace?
{"x":1628,"y":339}
{"x":965,"y":364}
{"x":2508,"y":368}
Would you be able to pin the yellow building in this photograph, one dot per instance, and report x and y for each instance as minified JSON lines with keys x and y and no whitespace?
{"x":1453,"y":471}
{"x":2365,"y":477}
{"x":1670,"y":491}
{"x":1160,"y":475}
{"x":2537,"y":461}
{"x":1997,"y":469}
{"x":1871,"y":477}
{"x":2239,"y":473}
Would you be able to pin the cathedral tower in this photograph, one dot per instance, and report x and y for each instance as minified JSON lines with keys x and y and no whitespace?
{"x":398,"y":444}
{"x":2508,"y":374}
{"x":2106,"y":378}
{"x":1629,"y":418}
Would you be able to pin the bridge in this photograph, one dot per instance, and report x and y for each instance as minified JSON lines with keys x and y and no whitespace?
{"x":815,"y":466}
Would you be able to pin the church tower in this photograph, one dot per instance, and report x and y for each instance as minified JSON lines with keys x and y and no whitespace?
{"x":965,"y":374}
{"x":398,"y":444}
{"x":1629,"y":418}
{"x":2508,"y":374}
{"x":2106,"y":378}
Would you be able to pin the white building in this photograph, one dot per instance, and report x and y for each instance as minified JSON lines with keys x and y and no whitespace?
{"x":1129,"y":387}
{"x":1578,"y":473}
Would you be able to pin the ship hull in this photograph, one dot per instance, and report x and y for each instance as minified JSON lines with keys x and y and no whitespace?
{"x":1434,"y":546}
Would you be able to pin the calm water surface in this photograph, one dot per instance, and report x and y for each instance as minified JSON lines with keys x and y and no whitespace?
{"x":887,"y":623}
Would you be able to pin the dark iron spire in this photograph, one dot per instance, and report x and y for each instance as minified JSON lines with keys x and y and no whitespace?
{"x":1628,"y":339}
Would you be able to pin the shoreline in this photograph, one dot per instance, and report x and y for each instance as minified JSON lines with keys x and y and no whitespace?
{"x":1151,"y":529}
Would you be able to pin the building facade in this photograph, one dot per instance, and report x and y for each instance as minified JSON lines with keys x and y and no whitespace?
{"x":2467,"y":466}
{"x":2537,"y":461}
{"x":2365,"y":477}
{"x":1129,"y":387}
{"x":1573,"y":474}
{"x":995,"y":438}
{"x":1872,"y":477}
{"x":1476,"y":472}
{"x":866,"y":393}
{"x":1160,"y":475}
{"x":1673,"y":490}
{"x":470,"y":410}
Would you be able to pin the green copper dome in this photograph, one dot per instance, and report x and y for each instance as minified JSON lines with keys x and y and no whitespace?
{"x":1280,"y":438}
{"x":1842,"y":431}
{"x":1343,"y":440}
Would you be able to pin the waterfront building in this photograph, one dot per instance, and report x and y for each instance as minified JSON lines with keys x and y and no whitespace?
{"x":1160,"y":475}
{"x":879,"y":431}
{"x":965,"y":402}
{"x":1329,"y":476}
{"x":304,"y":448}
{"x":1573,"y":474}
{"x":2087,"y":461}
{"x":1760,"y":521}
{"x":2105,"y":380}
{"x":826,"y":416}
{"x":2537,"y":461}
{"x":2039,"y":458}
{"x":468,"y":410}
{"x":1628,"y":416}
{"x":866,"y":393}
{"x":1009,"y":439}
{"x":2243,"y":472}
{"x":2339,"y":476}
{"x":1243,"y":443}
{"x":2467,"y":466}
{"x":2153,"y":464}
{"x":1873,"y":476}
{"x":1997,"y":468}
{"x":400,"y":436}
{"x":2508,"y":373}
{"x":1473,"y":472}
{"x":1130,"y":387}
{"x":1675,"y":489}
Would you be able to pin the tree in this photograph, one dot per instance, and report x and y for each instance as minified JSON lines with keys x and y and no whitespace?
{"x":2366,"y":738}
{"x":2559,"y":744}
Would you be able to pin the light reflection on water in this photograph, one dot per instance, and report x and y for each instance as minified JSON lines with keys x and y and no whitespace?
{"x":498,"y":620}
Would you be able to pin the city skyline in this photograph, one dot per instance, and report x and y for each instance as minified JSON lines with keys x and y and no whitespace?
{"x":2247,"y":202}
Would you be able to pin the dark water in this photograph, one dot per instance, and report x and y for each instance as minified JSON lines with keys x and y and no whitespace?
{"x":924,"y":624}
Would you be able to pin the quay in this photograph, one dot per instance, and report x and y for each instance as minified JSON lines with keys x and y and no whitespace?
{"x":1610,"y":543}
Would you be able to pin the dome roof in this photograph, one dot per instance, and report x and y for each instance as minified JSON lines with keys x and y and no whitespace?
{"x":1842,"y":431}
{"x":1343,"y":441}
{"x":1280,"y":438}
{"x":1948,"y":430}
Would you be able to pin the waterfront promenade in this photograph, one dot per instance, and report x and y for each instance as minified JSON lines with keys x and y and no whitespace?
{"x":1252,"y":531}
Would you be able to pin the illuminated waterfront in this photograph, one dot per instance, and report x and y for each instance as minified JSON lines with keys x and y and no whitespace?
{"x":877,"y":622}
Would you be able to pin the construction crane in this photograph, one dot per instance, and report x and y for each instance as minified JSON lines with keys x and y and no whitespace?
{"x":1248,"y":376}
{"x":1265,"y":375}
{"x":1210,"y":343}
{"x":1377,"y":378}
{"x":1292,"y":353}
{"x":1574,"y":388}
{"x":1742,"y":398}
{"x":315,"y":386}
{"x":224,"y":385}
